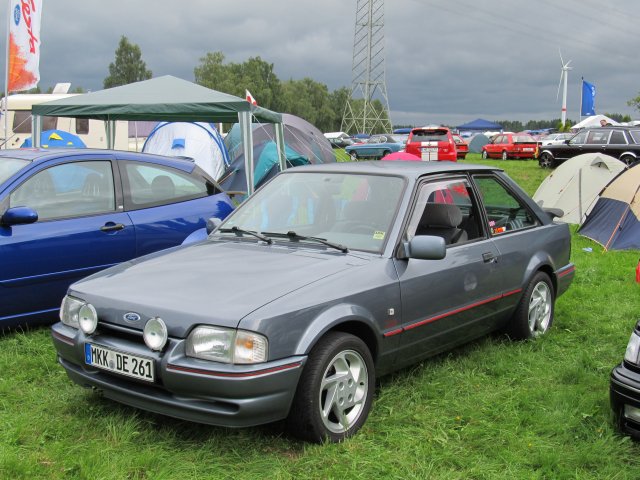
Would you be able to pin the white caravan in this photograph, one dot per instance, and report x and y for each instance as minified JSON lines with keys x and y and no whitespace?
{"x":92,"y":132}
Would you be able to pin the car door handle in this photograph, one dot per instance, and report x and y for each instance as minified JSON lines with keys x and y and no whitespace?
{"x":112,"y":227}
{"x":489,"y":257}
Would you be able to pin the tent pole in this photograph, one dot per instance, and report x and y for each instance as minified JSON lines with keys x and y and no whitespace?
{"x":36,"y":130}
{"x":282,"y":157}
{"x":246,"y":134}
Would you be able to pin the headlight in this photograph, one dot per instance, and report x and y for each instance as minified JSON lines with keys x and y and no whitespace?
{"x":70,"y":310}
{"x":88,"y":318}
{"x":631,"y":355}
{"x":226,"y":345}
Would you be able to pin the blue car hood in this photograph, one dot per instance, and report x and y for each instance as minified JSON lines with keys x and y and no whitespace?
{"x":210,"y":282}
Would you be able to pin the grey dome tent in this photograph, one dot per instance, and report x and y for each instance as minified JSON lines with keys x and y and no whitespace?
{"x":574,"y":186}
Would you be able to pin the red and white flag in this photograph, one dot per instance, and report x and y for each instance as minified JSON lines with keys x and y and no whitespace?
{"x":24,"y":45}
{"x":250,"y":98}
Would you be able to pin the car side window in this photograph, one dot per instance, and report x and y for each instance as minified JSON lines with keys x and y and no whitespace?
{"x":68,"y":190}
{"x":598,"y":137}
{"x":446,"y":208}
{"x":617,"y":138}
{"x":505,"y":212}
{"x":152,"y":185}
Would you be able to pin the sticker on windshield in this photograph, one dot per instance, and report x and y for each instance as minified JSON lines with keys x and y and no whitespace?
{"x":377,"y":235}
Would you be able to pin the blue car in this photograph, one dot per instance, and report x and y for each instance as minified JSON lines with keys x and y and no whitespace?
{"x":66,"y":214}
{"x":376,"y":147}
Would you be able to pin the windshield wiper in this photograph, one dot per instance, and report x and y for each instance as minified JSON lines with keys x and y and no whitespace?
{"x":295,"y":236}
{"x":240,"y":231}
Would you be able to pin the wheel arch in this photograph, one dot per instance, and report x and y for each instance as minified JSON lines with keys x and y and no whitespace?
{"x":540,"y":263}
{"x":351,"y":319}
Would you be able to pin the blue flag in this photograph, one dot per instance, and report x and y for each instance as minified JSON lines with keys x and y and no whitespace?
{"x":588,"y":99}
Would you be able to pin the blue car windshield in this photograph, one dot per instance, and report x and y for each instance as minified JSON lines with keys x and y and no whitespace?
{"x":9,"y":166}
{"x":353,"y":210}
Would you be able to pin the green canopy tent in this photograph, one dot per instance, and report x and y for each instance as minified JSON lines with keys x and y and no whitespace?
{"x":165,"y":98}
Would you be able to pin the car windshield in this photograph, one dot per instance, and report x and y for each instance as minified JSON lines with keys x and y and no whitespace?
{"x":429,"y":136}
{"x":353,"y":210}
{"x":9,"y":166}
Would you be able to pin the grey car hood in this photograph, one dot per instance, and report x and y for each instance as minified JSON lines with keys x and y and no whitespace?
{"x":211,"y":282}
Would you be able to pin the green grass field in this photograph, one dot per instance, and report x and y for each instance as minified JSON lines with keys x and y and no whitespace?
{"x":491,"y":409}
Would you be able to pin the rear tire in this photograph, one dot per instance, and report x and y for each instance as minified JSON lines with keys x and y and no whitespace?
{"x":534,"y":315}
{"x":505,"y":155}
{"x":628,"y":159}
{"x":546,"y":160}
{"x":335,"y":391}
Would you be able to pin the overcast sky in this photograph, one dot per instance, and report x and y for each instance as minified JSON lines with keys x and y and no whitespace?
{"x":446,"y":62}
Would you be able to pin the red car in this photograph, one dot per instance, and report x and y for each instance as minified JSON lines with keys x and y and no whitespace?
{"x":461,"y":146}
{"x":511,"y":145}
{"x":432,"y":143}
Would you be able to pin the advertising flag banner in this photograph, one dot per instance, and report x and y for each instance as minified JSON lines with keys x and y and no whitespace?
{"x":588,"y":99}
{"x":24,"y":45}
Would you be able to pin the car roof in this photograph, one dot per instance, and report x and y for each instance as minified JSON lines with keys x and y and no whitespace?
{"x":40,"y":155}
{"x":406,"y":169}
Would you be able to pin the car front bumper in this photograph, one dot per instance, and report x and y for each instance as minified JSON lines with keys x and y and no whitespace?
{"x":186,"y":388}
{"x":624,"y":394}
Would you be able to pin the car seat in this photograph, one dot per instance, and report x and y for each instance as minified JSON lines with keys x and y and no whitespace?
{"x":162,"y":188}
{"x":442,"y":220}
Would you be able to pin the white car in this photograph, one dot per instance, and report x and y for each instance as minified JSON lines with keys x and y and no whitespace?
{"x":555,"y":138}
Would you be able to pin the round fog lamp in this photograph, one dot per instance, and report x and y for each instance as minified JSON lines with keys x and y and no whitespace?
{"x":155,"y":334}
{"x":88,"y":318}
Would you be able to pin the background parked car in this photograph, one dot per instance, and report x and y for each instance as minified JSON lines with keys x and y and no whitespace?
{"x":511,"y":145}
{"x":462,"y":147}
{"x":619,"y":142}
{"x":554,"y":138}
{"x":624,"y":389}
{"x":376,"y":147}
{"x":65,"y":214}
{"x":328,"y":276}
{"x":339,"y":139}
{"x":432,"y":143}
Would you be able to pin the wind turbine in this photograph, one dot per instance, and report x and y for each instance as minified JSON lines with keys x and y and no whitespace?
{"x":564,"y":75}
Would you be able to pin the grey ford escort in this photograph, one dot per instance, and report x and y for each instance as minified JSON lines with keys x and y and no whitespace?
{"x":324,"y":279}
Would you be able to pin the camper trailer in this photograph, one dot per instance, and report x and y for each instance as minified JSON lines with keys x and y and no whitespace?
{"x":92,"y":132}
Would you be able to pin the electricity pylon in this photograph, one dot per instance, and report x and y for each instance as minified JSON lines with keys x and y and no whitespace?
{"x":368,"y":73}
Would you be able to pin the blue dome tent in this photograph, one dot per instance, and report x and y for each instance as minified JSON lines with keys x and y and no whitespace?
{"x":56,"y":139}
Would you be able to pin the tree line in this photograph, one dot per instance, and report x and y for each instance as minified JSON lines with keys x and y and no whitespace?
{"x":304,"y":98}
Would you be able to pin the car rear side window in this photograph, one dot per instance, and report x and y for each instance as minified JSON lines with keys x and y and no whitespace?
{"x":617,"y":138}
{"x":505,"y":211}
{"x":152,"y":185}
{"x":68,"y":190}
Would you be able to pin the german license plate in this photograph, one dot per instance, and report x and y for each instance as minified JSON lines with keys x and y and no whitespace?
{"x":528,"y":149}
{"x":119,"y":362}
{"x":430,"y":149}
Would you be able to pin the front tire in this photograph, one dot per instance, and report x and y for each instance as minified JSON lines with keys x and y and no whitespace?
{"x":534,"y":315}
{"x":505,"y":155}
{"x":335,"y":391}
{"x":353,"y":156}
{"x":485,"y":155}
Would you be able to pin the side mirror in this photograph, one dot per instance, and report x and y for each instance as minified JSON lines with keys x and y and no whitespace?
{"x":212,"y":224}
{"x":554,"y":212}
{"x":425,"y":247}
{"x":19,"y":216}
{"x":566,"y":142}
